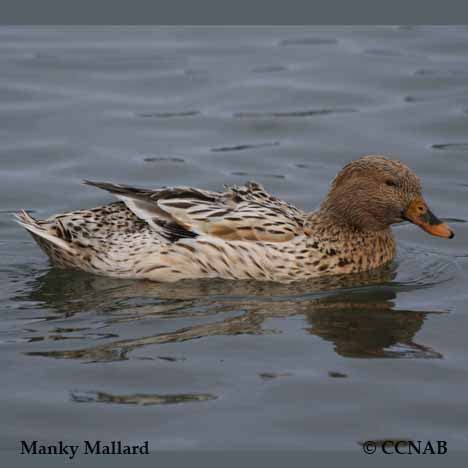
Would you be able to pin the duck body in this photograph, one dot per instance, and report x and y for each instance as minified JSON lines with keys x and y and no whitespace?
{"x":179,"y":233}
{"x":112,"y":240}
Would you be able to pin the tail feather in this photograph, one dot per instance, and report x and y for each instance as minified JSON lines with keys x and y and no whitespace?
{"x":120,"y":189}
{"x":137,"y":200}
{"x":31,"y":225}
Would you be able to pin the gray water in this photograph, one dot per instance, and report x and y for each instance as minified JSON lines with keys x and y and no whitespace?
{"x":322,"y":365}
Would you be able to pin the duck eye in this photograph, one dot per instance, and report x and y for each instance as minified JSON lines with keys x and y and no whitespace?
{"x":390,"y":183}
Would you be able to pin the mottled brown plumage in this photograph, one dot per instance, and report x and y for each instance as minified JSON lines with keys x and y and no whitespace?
{"x":242,"y":233}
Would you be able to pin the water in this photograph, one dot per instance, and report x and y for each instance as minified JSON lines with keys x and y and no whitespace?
{"x":216,"y":364}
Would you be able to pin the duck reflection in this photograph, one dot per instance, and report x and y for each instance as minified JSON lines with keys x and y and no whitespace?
{"x":354,"y":312}
{"x":367,"y":326}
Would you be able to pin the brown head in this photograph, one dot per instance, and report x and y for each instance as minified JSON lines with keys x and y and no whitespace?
{"x":373,"y":192}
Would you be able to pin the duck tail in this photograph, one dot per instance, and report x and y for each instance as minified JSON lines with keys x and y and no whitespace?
{"x":53,"y":233}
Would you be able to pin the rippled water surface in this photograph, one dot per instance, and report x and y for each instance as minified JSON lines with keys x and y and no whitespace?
{"x":320,"y":365}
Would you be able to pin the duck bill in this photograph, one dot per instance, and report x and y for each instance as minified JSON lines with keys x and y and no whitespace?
{"x":418,"y":213}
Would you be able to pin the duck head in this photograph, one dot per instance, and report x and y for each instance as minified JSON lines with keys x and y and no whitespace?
{"x":374,"y":192}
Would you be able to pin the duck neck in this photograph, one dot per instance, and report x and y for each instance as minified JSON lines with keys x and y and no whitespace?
{"x":369,"y":248}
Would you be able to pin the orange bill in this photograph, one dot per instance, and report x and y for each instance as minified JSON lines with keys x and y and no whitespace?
{"x":418,"y":213}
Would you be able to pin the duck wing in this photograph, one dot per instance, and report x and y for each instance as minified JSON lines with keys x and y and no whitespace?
{"x":239,"y":213}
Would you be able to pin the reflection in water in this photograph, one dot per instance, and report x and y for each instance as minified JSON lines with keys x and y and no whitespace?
{"x":368,"y":326}
{"x":354,"y":312}
{"x":139,"y":398}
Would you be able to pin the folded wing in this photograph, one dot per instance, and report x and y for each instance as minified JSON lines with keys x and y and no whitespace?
{"x":240,"y":213}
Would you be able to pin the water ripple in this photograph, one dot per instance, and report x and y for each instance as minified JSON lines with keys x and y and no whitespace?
{"x":162,"y":159}
{"x":168,"y":115}
{"x":142,"y":399}
{"x":298,"y":113}
{"x":245,"y":147}
{"x":451,"y":146}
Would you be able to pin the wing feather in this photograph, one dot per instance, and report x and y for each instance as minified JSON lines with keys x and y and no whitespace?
{"x":239,"y":213}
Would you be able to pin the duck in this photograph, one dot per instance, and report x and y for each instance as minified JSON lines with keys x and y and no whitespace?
{"x":242,"y":233}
